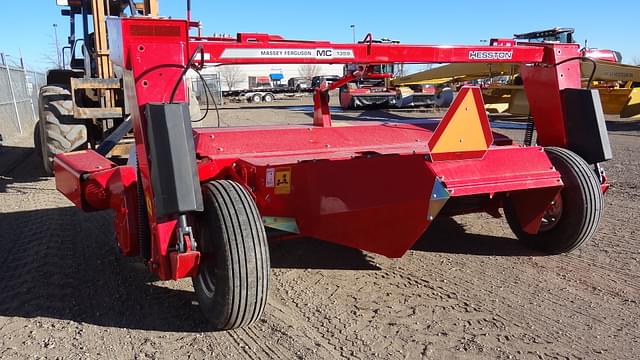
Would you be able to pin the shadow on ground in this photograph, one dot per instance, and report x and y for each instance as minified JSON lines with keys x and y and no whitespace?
{"x":623,"y":125}
{"x":19,"y":165}
{"x":446,"y":235}
{"x":316,"y":254}
{"x":61,"y":263}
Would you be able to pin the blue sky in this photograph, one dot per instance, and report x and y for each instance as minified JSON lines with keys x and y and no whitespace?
{"x":27,"y":25}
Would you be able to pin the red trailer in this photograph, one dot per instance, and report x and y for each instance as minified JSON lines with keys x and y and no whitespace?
{"x":197,"y":201}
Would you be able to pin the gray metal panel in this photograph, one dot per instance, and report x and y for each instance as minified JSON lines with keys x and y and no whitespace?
{"x":585,"y":123}
{"x":172,"y":159}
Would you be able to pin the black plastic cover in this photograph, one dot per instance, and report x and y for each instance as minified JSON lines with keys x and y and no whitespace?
{"x":172,"y":159}
{"x":585,"y":124}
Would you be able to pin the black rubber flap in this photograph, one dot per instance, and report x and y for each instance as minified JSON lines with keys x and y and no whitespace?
{"x":585,"y":123}
{"x":172,"y":159}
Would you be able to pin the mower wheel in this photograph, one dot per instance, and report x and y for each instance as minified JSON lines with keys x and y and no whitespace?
{"x":58,"y":132}
{"x":573,"y":217}
{"x":233,"y":278}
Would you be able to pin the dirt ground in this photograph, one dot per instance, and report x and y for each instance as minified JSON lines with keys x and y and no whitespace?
{"x":467,"y":289}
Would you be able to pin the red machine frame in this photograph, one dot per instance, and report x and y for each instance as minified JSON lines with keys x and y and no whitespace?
{"x":367,"y":185}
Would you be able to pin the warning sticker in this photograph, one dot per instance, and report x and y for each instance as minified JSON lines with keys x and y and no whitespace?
{"x":270,"y":181}
{"x":283,"y":181}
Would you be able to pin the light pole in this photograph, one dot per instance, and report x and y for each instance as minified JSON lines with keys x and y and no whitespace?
{"x":55,"y":35}
{"x":353,"y":31}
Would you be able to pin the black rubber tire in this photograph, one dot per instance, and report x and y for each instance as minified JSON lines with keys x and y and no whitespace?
{"x":343,"y":89}
{"x":256,"y":98}
{"x":582,"y":207}
{"x":233,"y":278}
{"x":37,"y":144}
{"x":58,"y":131}
{"x":269,"y":97}
{"x":444,"y":98}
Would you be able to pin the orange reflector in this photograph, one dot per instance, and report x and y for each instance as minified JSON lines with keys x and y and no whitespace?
{"x":464,"y":132}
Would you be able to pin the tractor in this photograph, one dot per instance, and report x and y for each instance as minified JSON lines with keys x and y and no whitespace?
{"x":83,"y":102}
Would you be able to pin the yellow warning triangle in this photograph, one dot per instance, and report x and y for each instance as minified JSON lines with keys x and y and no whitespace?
{"x":464,"y":131}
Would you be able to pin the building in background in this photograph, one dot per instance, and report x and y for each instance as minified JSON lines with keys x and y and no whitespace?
{"x":240,"y":77}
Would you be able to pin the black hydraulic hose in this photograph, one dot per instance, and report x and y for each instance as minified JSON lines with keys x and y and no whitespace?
{"x":186,"y":68}
{"x":206,"y":95}
{"x":593,"y":71}
{"x":199,"y":49}
{"x":528,"y":136}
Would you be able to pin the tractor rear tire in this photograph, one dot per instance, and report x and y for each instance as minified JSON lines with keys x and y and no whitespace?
{"x":233,"y":278}
{"x":58,"y":132}
{"x":37,"y":144}
{"x":581,"y":207}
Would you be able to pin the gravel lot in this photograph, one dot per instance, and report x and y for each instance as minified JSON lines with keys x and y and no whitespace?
{"x":467,"y":289}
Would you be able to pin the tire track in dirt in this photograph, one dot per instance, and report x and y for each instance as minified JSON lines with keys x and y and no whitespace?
{"x":507,"y":313}
{"x":571,"y":264}
{"x":513,"y":313}
{"x":600,"y":273}
{"x":450,"y":292}
{"x":606,"y":270}
{"x":354,"y":325}
{"x":299,"y":319}
{"x":265,"y":347}
{"x":514,"y":291}
{"x":38,"y":268}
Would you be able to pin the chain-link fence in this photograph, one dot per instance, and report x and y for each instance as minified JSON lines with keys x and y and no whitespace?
{"x":18,"y":97}
{"x":213,"y":82}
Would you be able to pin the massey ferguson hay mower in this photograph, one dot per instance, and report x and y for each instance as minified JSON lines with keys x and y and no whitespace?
{"x":196,"y":202}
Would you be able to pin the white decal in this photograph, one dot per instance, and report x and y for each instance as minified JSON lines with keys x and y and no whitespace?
{"x":270,"y":177}
{"x":490,"y":55}
{"x":321,"y":53}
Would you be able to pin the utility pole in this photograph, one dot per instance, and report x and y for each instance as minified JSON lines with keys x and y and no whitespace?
{"x":353,"y":31}
{"x":55,"y":35}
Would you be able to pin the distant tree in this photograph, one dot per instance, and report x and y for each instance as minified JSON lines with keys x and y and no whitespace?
{"x":399,"y":70}
{"x":636,"y":60}
{"x":427,"y":67}
{"x":309,"y":70}
{"x":231,"y":75}
{"x":53,"y":56}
